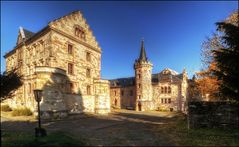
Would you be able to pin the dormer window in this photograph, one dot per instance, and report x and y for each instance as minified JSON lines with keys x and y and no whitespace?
{"x":80,"y":33}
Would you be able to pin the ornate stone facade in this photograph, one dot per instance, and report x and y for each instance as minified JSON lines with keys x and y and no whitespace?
{"x":167,"y":90}
{"x":64,"y":60}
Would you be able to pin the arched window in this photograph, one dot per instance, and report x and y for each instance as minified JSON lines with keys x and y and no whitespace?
{"x":169,"y":89}
{"x":161,"y":89}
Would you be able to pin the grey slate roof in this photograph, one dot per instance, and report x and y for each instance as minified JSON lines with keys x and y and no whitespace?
{"x":122,"y":82}
{"x":28,"y":34}
{"x":158,"y":77}
{"x":142,"y":56}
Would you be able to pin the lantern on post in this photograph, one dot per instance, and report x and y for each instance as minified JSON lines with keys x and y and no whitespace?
{"x":38,"y":97}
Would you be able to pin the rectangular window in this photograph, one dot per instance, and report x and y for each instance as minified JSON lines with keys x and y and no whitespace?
{"x":70,"y":68}
{"x":122,"y":92}
{"x":139,"y":76}
{"x":115,"y":92}
{"x":29,"y":88}
{"x":88,"y":73}
{"x":88,"y":57}
{"x":70,"y":49}
{"x":88,"y":90}
{"x":165,"y":101}
{"x":169,"y":89}
{"x":169,"y":100}
{"x":139,"y":85}
{"x":79,"y":32}
{"x":162,"y":101}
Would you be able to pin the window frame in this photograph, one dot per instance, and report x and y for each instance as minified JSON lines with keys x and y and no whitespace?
{"x":88,"y":90}
{"x":70,"y":52}
{"x":70,"y":70}
{"x":88,"y":72}
{"x":88,"y":56}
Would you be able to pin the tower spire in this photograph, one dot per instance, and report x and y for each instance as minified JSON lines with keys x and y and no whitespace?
{"x":142,"y":56}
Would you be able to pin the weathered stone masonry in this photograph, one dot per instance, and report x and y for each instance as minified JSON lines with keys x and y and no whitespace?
{"x":64,"y":60}
{"x":167,"y":90}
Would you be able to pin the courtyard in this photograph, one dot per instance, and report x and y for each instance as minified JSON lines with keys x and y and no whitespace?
{"x":121,"y":127}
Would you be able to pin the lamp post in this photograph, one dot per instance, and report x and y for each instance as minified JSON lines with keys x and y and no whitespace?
{"x":38,"y":97}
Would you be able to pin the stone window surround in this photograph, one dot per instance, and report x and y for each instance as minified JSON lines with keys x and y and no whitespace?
{"x":70,"y":68}
{"x":166,"y":100}
{"x":70,"y":48}
{"x":88,"y":72}
{"x":88,"y":56}
{"x":88,"y":90}
{"x":166,"y":90}
{"x":79,"y":32}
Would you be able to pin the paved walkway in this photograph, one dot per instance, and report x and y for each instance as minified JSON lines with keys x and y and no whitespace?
{"x":121,"y":127}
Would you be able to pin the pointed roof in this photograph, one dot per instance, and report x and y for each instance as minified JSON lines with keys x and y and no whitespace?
{"x":24,"y":35}
{"x":142,"y":56}
{"x":28,"y":34}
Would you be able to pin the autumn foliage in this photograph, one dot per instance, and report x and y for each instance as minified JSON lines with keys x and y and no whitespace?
{"x":208,"y":84}
{"x":219,"y":78}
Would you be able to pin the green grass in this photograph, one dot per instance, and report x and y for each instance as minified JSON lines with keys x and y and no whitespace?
{"x":56,"y":139}
{"x":178,"y":134}
{"x":22,"y":112}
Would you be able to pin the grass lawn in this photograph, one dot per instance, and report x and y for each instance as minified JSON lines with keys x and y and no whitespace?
{"x":53,"y":139}
{"x":179,"y":135}
{"x":131,"y":128}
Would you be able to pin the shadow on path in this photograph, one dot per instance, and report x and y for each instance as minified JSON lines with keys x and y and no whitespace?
{"x":118,"y":128}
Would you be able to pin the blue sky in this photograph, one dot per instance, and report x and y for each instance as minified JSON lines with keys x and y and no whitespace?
{"x":173,"y":31}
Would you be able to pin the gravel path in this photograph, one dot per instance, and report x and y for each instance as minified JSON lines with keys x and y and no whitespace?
{"x":121,"y":127}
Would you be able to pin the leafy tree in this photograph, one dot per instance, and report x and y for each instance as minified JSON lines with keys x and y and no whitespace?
{"x":227,"y":57}
{"x":207,"y":83}
{"x":10,"y":81}
{"x":193,"y":90}
{"x":219,"y":57}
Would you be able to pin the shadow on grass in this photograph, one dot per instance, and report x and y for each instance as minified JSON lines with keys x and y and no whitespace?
{"x":121,"y":128}
{"x":26,"y":139}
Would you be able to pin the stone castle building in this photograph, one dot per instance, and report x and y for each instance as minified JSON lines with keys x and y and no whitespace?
{"x":166,"y":90}
{"x":64,"y":60}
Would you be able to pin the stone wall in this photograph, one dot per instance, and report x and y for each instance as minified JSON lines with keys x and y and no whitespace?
{"x":65,"y":65}
{"x":102,"y":96}
{"x":213,"y":114}
{"x":123,"y":97}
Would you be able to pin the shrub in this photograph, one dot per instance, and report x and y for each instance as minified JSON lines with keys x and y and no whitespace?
{"x":21,"y":112}
{"x":5,"y":108}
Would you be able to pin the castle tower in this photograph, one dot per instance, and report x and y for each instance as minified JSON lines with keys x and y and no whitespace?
{"x":143,"y":74}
